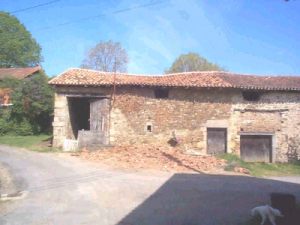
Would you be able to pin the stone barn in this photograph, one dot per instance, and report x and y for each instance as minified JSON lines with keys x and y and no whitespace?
{"x":255,"y":117}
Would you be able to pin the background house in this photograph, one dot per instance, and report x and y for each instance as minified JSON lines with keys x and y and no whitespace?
{"x":15,"y":73}
{"x":256,"y":117}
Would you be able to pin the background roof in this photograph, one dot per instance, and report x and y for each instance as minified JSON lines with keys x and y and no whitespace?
{"x":18,"y":73}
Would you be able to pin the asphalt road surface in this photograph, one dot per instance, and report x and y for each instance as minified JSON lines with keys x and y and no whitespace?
{"x":63,"y":190}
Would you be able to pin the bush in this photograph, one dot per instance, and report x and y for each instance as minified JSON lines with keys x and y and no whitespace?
{"x":5,"y":125}
{"x":32,"y":108}
{"x":22,"y":128}
{"x":9,"y":125}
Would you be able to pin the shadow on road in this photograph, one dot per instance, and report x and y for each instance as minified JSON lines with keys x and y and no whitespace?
{"x":179,"y":162}
{"x":192,"y":199}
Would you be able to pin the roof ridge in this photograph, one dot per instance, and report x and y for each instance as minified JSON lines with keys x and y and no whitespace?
{"x":119,"y":73}
{"x":147,"y":75}
{"x":184,"y":73}
{"x":259,"y":76}
{"x":191,"y":72}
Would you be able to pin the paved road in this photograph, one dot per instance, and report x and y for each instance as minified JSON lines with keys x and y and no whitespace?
{"x":67,"y":191}
{"x":291,"y":179}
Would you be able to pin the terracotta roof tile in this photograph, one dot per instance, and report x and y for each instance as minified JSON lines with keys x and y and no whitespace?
{"x":19,"y":73}
{"x":85,"y":77}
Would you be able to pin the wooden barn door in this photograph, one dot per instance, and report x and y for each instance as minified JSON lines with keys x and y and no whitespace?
{"x":256,"y":148}
{"x":99,"y":118}
{"x":216,"y":140}
{"x":98,"y":133}
{"x":96,"y":115}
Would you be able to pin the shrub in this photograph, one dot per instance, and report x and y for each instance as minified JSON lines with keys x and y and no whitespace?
{"x":23,"y":128}
{"x":9,"y":125}
{"x":32,"y":108}
{"x":5,"y":125}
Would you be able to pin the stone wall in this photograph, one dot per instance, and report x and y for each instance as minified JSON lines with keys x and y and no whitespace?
{"x":188,"y":113}
{"x":60,"y":120}
{"x":184,"y":113}
{"x":276,"y":113}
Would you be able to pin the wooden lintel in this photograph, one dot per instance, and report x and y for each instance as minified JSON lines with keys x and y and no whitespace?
{"x":261,"y":110}
{"x":82,"y":95}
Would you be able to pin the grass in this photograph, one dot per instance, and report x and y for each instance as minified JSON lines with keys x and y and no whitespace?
{"x":262,"y":169}
{"x":33,"y":142}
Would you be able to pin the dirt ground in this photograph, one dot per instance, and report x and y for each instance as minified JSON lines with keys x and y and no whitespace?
{"x":154,"y":157}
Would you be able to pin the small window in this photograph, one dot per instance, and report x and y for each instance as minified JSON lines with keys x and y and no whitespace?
{"x":161,"y":93}
{"x":252,"y":96}
{"x":149,"y":128}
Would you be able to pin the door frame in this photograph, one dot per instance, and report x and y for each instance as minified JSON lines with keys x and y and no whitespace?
{"x":226,"y":137}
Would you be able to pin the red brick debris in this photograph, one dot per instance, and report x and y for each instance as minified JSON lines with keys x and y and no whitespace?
{"x":205,"y":79}
{"x":241,"y":170}
{"x":154,"y":157}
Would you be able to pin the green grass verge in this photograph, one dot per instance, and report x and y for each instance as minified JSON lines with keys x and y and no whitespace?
{"x":32,"y":142}
{"x":262,"y":169}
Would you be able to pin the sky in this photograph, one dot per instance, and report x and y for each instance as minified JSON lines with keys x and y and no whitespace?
{"x":243,"y":36}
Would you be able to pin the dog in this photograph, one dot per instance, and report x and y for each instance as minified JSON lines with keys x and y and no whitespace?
{"x":266,"y":212}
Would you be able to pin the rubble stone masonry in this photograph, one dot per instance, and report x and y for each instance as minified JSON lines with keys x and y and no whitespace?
{"x":136,"y":117}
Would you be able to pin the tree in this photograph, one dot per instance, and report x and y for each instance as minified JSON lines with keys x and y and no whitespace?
{"x":9,"y":82}
{"x":106,"y":56}
{"x":33,"y":103}
{"x":192,"y":62}
{"x":17,"y":47}
{"x":32,"y":109}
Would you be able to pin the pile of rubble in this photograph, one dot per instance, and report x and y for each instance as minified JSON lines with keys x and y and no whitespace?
{"x":154,"y":157}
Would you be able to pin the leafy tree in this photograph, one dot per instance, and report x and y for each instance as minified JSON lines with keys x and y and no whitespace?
{"x":17,"y":47}
{"x":32,"y":108}
{"x":192,"y":62}
{"x":33,"y":104}
{"x":9,"y":82}
{"x":106,"y":56}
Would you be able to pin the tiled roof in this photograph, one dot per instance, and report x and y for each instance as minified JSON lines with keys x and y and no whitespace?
{"x":18,"y":73}
{"x":85,"y":77}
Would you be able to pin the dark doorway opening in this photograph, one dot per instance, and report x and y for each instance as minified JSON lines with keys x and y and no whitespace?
{"x":161,"y":93}
{"x":216,"y":140}
{"x":256,"y":148}
{"x":79,"y":111}
{"x":89,"y":120}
